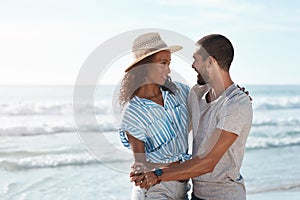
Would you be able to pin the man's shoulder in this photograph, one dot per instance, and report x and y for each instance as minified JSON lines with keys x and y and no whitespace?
{"x":235,"y":96}
{"x":236,"y":103}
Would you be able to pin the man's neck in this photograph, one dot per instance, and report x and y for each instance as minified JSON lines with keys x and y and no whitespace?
{"x":218,"y":87}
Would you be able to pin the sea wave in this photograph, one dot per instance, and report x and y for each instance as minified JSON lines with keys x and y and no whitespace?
{"x":290,"y":121}
{"x":31,"y":159}
{"x":280,"y":187}
{"x":292,"y":139}
{"x":256,"y":140}
{"x":29,"y":153}
{"x":35,"y":130}
{"x":52,"y":108}
{"x":47,"y":161}
{"x":48,"y":129}
{"x":277,"y":103}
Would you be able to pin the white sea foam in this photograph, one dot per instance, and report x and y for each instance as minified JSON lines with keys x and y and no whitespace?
{"x":46,"y":161}
{"x":51,"y":108}
{"x":272,"y":103}
{"x":273,"y":142}
{"x":13,"y":160}
{"x":289,"y":121}
{"x":277,"y":187}
{"x":48,"y":129}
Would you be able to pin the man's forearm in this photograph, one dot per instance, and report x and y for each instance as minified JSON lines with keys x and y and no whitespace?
{"x":189,"y":169}
{"x":199,"y":166}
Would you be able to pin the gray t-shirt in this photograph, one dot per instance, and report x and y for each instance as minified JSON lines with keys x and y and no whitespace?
{"x":232,"y":112}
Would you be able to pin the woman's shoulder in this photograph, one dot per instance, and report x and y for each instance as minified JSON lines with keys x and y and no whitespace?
{"x":134,"y":106}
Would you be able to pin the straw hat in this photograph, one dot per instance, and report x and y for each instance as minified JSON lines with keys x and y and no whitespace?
{"x":148,"y":44}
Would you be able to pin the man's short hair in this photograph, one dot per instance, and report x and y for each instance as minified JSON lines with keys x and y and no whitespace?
{"x":219,"y":47}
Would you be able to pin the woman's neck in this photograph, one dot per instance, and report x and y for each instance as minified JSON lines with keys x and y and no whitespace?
{"x":149,"y":91}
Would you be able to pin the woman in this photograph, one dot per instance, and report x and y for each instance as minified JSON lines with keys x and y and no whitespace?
{"x":155,"y":122}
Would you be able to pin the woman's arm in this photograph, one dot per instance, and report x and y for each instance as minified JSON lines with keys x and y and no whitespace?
{"x":138,"y":149}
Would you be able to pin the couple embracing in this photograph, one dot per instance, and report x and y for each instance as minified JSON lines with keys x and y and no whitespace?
{"x":158,"y":115}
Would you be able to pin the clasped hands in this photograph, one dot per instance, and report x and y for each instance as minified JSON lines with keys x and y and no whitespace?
{"x":143,"y":176}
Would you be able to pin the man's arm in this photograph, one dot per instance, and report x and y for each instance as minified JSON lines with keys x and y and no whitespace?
{"x":199,"y":166}
{"x":196,"y":166}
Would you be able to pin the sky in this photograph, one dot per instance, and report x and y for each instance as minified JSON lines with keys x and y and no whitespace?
{"x":47,"y":42}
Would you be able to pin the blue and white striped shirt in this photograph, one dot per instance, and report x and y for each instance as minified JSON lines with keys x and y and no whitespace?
{"x":163,"y":129}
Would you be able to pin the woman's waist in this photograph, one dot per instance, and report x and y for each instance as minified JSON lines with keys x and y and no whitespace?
{"x":162,"y":165}
{"x":175,"y":160}
{"x":167,"y":157}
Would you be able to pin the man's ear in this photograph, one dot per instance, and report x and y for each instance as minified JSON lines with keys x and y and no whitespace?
{"x":210,"y":61}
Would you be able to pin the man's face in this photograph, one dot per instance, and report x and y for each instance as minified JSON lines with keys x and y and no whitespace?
{"x":200,"y":67}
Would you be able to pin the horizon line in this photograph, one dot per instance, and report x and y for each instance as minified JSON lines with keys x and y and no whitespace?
{"x":44,"y":84}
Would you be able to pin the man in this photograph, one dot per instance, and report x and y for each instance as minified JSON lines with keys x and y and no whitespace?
{"x":222,"y":116}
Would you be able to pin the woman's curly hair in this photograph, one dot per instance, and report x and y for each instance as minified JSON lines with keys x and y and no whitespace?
{"x":135,"y":78}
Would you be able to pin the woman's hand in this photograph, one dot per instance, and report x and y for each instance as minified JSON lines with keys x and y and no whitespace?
{"x":144,"y":180}
{"x":139,"y":167}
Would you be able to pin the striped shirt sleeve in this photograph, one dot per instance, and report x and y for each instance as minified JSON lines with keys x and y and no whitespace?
{"x":131,"y":124}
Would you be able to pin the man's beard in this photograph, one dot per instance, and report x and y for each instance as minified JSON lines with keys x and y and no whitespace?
{"x":200,"y":79}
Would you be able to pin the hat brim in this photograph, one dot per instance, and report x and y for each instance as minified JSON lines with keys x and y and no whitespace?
{"x":171,"y":48}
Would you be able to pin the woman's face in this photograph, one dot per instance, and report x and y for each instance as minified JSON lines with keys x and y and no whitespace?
{"x":159,"y":69}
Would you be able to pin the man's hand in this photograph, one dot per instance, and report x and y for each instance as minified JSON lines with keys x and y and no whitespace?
{"x":246,"y":92}
{"x":138,"y":178}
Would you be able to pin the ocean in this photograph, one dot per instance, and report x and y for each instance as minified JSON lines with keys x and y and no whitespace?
{"x":45,"y":154}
